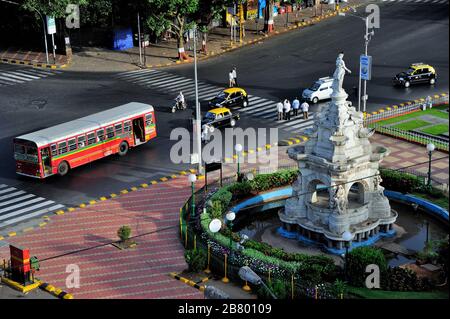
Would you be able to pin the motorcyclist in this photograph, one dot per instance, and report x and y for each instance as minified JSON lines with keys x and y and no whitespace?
{"x":180,"y":101}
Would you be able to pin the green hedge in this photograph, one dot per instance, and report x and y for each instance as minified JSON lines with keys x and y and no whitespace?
{"x":265,"y":182}
{"x":401,"y":182}
{"x":357,"y":261}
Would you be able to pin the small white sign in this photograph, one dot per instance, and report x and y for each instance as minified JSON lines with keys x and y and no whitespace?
{"x":51,"y":25}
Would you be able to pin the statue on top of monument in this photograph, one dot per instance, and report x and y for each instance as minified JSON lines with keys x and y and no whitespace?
{"x":339,"y":73}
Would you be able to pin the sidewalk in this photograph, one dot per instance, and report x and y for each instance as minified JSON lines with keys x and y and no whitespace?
{"x":144,"y":271}
{"x":92,"y":59}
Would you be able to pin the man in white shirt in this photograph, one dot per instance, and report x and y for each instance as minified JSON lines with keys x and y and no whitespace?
{"x":231,"y":79}
{"x":234,"y":76}
{"x":305,"y":109}
{"x":287,"y":110}
{"x":280,"y":110}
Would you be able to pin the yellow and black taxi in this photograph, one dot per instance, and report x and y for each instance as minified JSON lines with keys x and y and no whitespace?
{"x":417,"y":73}
{"x":219,"y":117}
{"x":230,"y":98}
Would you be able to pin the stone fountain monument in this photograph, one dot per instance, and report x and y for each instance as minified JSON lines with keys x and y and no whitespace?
{"x":338,"y":187}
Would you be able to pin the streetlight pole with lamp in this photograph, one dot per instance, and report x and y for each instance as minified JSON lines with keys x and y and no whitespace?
{"x":430,"y":149}
{"x":367,"y":37}
{"x":347,"y":237}
{"x":230,"y":216}
{"x":192,"y":180}
{"x":214,"y":226}
{"x":197,"y":123}
{"x":238,"y":148}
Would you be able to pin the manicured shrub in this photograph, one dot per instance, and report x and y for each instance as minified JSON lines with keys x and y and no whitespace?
{"x":357,"y":261}
{"x":280,"y":288}
{"x":240,"y":190}
{"x":264,"y":182}
{"x":401,"y":182}
{"x":124,"y":233}
{"x":196,"y":259}
{"x":402,"y":279}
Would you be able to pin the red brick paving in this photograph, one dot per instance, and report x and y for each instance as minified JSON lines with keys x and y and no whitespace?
{"x":405,"y":154}
{"x":107,"y":272}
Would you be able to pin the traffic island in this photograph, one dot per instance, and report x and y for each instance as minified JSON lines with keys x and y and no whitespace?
{"x":19,"y":287}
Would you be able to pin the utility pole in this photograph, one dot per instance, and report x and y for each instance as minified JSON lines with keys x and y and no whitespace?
{"x":140,"y":42}
{"x":197,"y":107}
{"x":366,"y":44}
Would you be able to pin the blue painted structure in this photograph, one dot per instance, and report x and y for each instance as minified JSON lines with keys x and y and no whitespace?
{"x":287,"y":192}
{"x":122,"y":39}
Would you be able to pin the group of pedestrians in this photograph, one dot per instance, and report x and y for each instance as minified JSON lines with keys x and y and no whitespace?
{"x":284,"y":109}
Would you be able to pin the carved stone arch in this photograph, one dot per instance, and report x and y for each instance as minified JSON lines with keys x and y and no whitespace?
{"x":357,"y":193}
{"x":318,"y":192}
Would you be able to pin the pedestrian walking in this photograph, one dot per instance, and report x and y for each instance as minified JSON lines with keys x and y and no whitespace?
{"x":287,"y":110}
{"x":295,"y":106}
{"x":280,"y":111}
{"x":305,"y":109}
{"x":231,"y":79}
{"x":235,"y":76}
{"x":429,"y":102}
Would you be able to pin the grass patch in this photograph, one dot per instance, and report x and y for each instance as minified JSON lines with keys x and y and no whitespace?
{"x":411,"y":125}
{"x":440,"y":201}
{"x":382,"y":294}
{"x":436,"y":129}
{"x":437,"y":112}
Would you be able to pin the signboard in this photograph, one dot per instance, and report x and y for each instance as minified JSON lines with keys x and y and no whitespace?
{"x":365,"y":66}
{"x":51,"y":25}
{"x":211,"y":167}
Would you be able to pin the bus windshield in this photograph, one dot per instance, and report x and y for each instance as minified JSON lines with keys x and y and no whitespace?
{"x":27,"y":153}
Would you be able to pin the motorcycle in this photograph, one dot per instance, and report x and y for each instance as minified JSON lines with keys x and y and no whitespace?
{"x":179,"y":106}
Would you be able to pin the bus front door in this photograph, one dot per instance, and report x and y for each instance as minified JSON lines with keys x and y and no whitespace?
{"x":46,"y":161}
{"x":138,"y":131}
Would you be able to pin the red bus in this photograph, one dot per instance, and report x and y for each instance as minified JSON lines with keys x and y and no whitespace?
{"x":57,"y":149}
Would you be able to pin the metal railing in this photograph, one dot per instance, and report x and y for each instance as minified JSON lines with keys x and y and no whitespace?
{"x":404,"y":108}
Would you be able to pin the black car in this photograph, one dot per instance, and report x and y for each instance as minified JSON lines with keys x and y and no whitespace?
{"x":231,"y":97}
{"x":417,"y":73}
{"x":219,"y":117}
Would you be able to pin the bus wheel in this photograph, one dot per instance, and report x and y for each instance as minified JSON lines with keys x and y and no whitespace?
{"x":63,"y":168}
{"x":123,"y":148}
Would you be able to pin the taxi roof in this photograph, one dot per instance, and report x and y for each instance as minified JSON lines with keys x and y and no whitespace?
{"x":234,"y":90}
{"x":219,"y":110}
{"x":420,"y":66}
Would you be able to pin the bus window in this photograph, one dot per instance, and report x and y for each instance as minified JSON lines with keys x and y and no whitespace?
{"x":62,"y":147}
{"x":127,"y":126}
{"x":91,"y":138}
{"x":72,"y":144}
{"x":118,"y":128}
{"x":110,"y":132}
{"x":19,"y":149}
{"x":54,"y":150}
{"x":148,"y":119}
{"x":100,"y":135}
{"x":81,"y":141}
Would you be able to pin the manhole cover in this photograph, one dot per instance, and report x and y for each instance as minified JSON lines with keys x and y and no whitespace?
{"x":38,"y":104}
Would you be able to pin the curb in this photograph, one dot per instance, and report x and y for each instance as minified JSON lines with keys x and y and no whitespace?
{"x":190,"y":282}
{"x":34,"y":64}
{"x":296,"y":139}
{"x":258,"y":40}
{"x":19,"y":287}
{"x":55,"y":291}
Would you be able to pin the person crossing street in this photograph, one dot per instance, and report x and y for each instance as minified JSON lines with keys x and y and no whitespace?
{"x":234,"y":71}
{"x":287,"y":110}
{"x":280,"y":111}
{"x":231,"y":79}
{"x":295,"y":106}
{"x":305,"y":109}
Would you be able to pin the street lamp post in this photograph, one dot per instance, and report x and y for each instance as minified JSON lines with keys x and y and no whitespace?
{"x":43,"y":25}
{"x":347,"y":237}
{"x":430,"y":149}
{"x":197,"y":107}
{"x":214,"y":226}
{"x":192,"y":180}
{"x":367,"y":37}
{"x":230,"y":216}
{"x":238,"y":149}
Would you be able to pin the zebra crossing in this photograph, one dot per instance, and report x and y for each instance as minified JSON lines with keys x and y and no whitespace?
{"x":24,"y":75}
{"x":419,"y":1}
{"x":17,"y":206}
{"x":262,"y":108}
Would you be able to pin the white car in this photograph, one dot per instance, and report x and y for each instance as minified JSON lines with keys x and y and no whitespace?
{"x":320,"y":90}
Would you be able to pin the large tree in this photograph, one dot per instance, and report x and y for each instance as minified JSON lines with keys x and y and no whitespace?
{"x":172,"y":16}
{"x":53,"y":8}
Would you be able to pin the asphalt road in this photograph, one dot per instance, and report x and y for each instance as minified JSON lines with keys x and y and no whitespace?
{"x":278,"y":68}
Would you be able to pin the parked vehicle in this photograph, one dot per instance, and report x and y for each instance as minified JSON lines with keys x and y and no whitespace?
{"x":320,"y":90}
{"x":417,"y":73}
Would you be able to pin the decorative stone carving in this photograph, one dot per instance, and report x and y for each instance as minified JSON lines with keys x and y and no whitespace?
{"x":338,"y":152}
